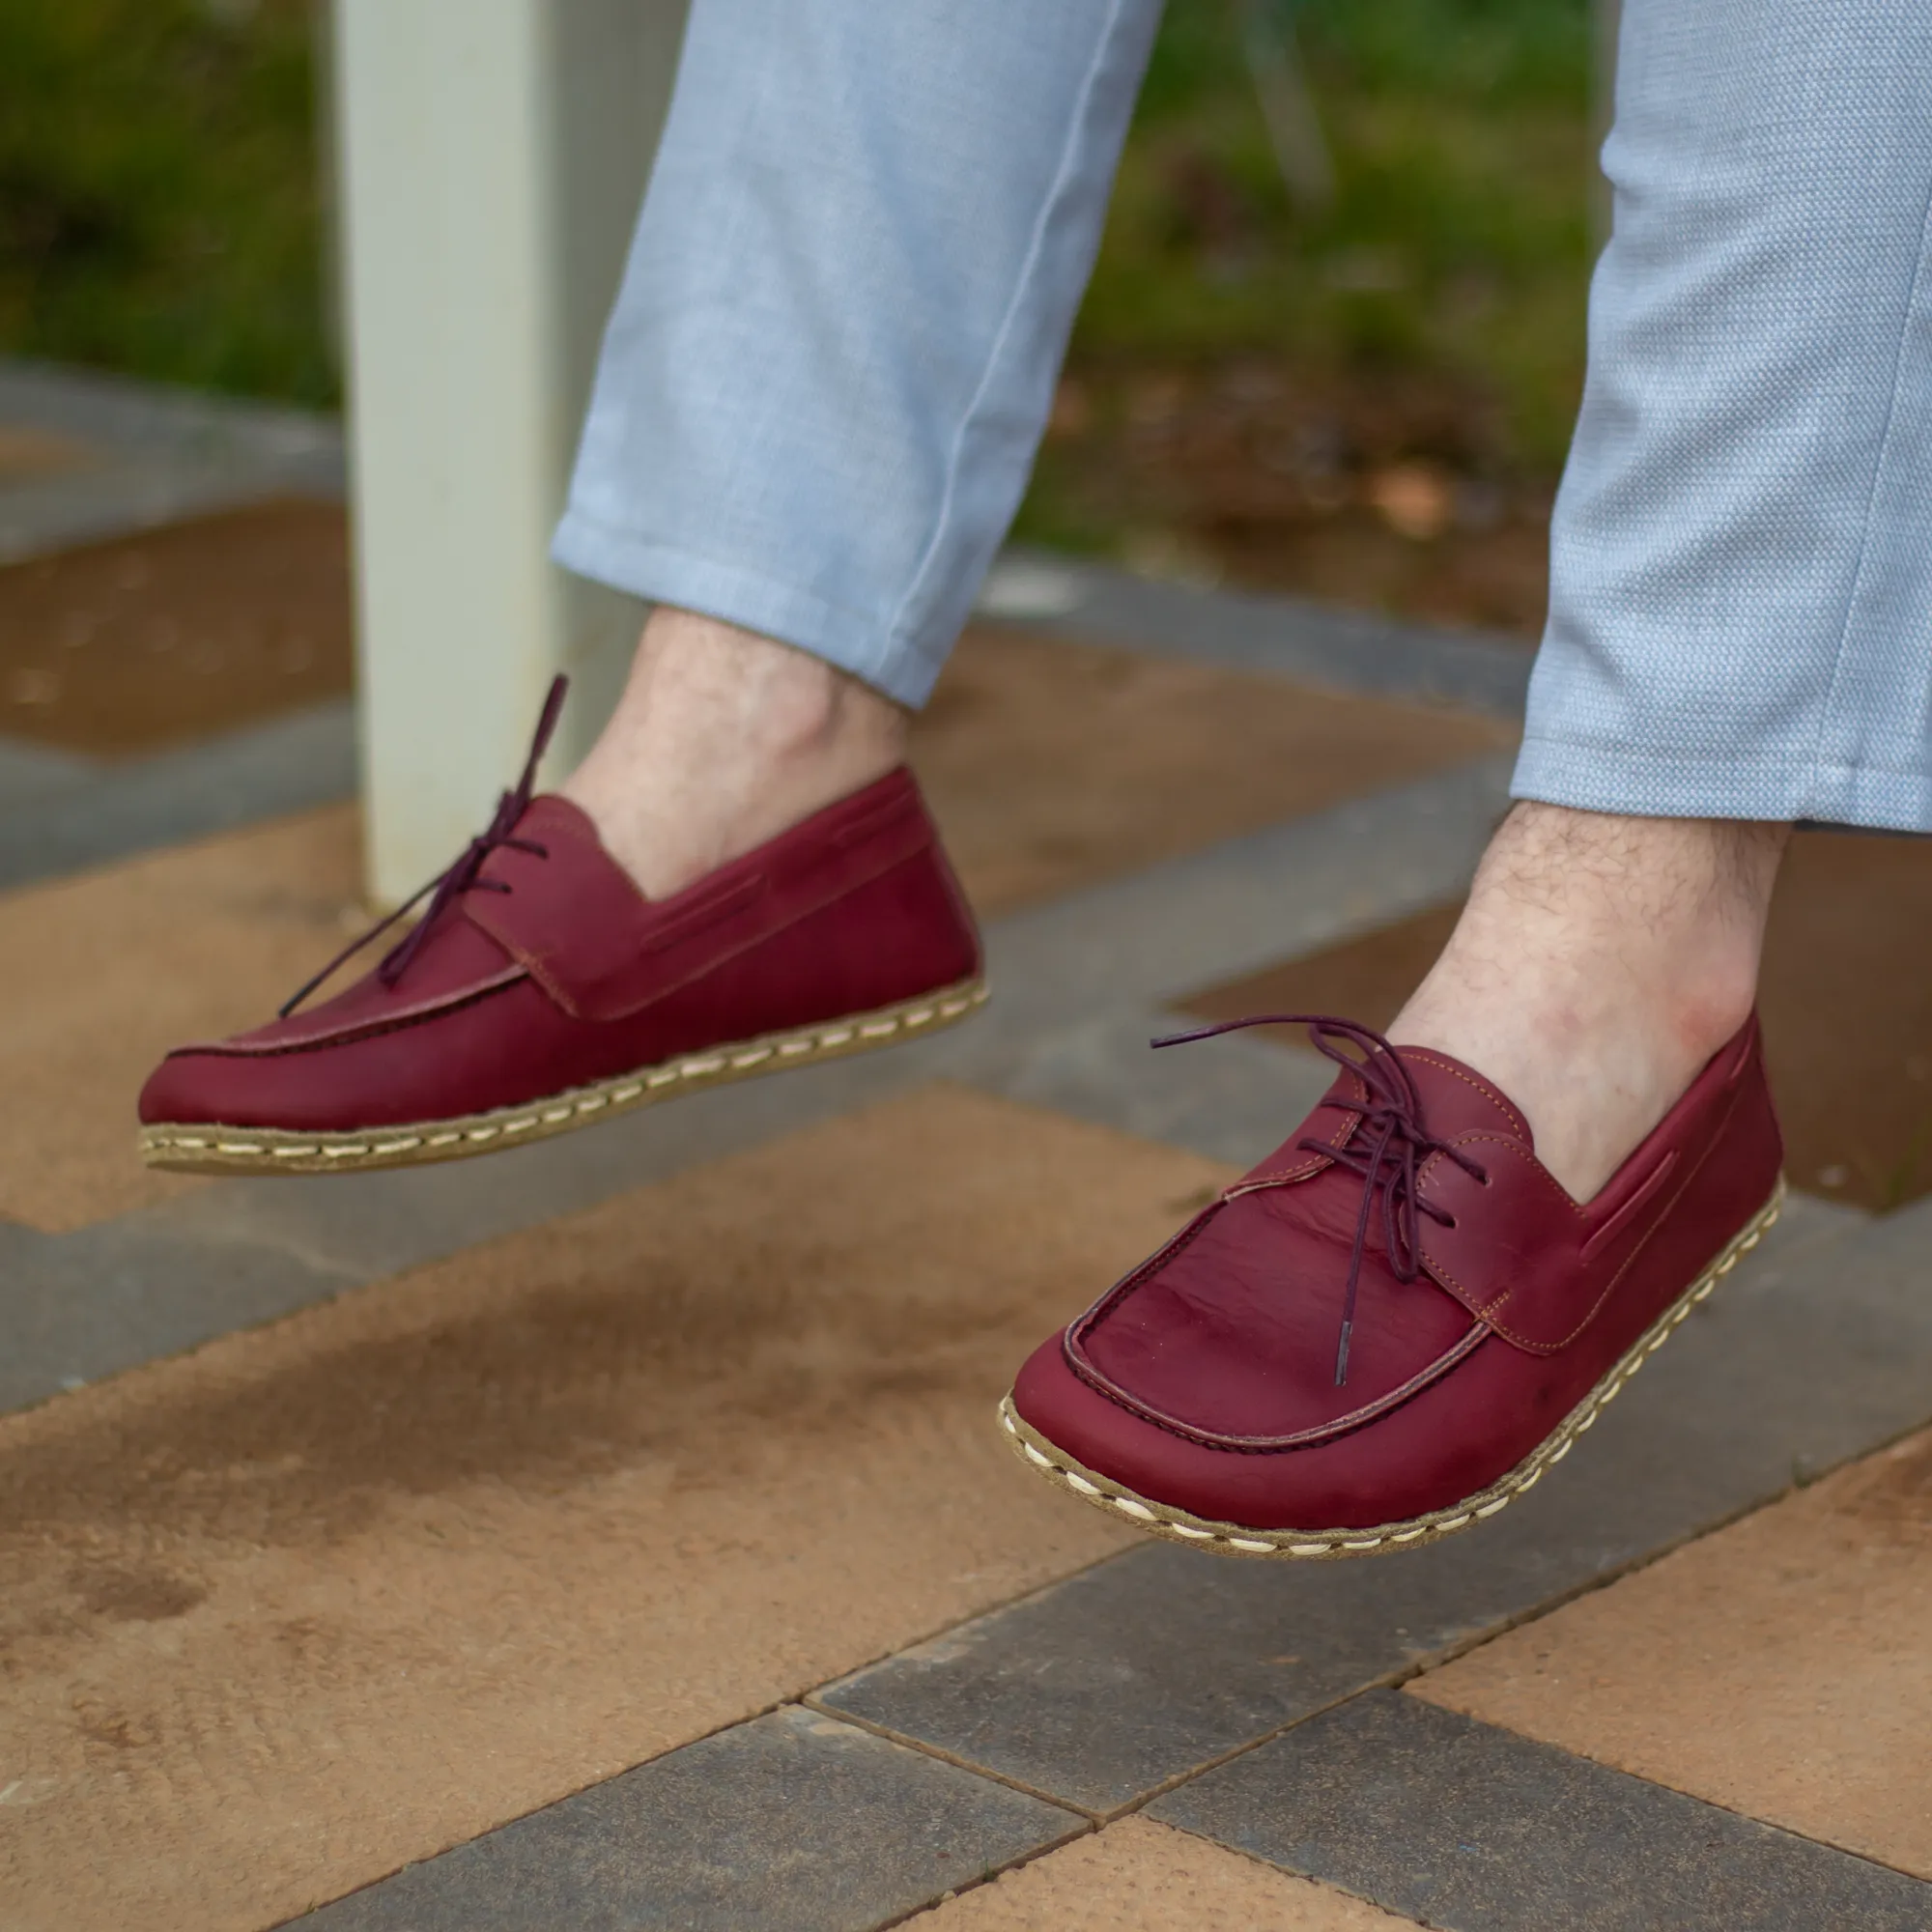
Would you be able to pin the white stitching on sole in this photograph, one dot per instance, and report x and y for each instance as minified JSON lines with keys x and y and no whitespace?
{"x":1294,"y":1543}
{"x":160,"y":1141}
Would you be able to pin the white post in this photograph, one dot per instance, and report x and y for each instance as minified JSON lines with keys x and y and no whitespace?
{"x":492,"y":157}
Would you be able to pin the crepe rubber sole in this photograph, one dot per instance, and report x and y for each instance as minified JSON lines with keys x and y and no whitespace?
{"x":189,"y":1147}
{"x":1229,"y":1539}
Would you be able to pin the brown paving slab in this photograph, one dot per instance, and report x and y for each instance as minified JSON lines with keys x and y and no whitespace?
{"x":332,"y":1595}
{"x":1846,"y":999}
{"x":1780,"y":1667}
{"x":106,"y":971}
{"x":1053,"y":764}
{"x":197,"y":626}
{"x":1138,"y":1876}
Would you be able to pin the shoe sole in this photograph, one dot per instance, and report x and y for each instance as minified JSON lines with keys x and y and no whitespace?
{"x":1228,"y":1539}
{"x":212,"y":1149}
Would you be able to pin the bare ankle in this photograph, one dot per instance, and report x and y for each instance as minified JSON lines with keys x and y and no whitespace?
{"x":1600,"y":962}
{"x":723,"y":739}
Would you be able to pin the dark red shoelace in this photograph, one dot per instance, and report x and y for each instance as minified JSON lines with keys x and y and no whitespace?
{"x":463,"y":876}
{"x":1387,"y":1147}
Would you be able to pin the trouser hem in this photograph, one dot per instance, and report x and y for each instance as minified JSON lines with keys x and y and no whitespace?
{"x":717,"y":587}
{"x":1613,"y":778}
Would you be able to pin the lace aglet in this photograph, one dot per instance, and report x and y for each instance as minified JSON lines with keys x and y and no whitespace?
{"x":1342,"y":1355}
{"x":1185,"y":1039}
{"x":295,"y":1000}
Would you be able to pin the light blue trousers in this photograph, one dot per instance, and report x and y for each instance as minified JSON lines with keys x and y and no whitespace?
{"x":869,"y":227}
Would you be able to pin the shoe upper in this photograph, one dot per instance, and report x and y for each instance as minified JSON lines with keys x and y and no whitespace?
{"x":548,"y":969}
{"x":1207,"y":1378}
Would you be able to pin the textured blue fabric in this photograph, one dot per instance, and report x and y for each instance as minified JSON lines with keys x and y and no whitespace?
{"x":1741,"y":610}
{"x":865,"y":237}
{"x":869,"y":226}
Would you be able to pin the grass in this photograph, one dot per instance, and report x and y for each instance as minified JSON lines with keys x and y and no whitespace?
{"x":158,"y":203}
{"x":159,"y":215}
{"x":1458,"y":240}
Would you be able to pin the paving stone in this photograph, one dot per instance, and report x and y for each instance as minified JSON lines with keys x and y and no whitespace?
{"x":157,"y":422}
{"x":178,"y":636}
{"x":1233,"y":1098}
{"x":1474,"y":1829}
{"x":30,"y":773}
{"x":358,"y":1585}
{"x":1247,"y":902}
{"x":1779,"y":1667}
{"x":1108,"y":1686}
{"x":1105,"y":1686}
{"x":156,"y":454}
{"x":289,"y":764}
{"x":93,"y":1305}
{"x":1052,"y":762}
{"x":789,"y":1823}
{"x":1138,"y":1876}
{"x":1348,"y":650}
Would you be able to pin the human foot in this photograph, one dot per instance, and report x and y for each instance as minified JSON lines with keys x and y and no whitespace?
{"x":542,"y":991}
{"x":1600,"y":962}
{"x":1399,"y":1321}
{"x":721,"y":740}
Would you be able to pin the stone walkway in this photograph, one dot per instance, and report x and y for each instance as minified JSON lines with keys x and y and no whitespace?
{"x":615,"y":1534}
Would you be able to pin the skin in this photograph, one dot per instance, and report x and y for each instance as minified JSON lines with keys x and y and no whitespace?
{"x":721,"y":740}
{"x":1600,"y":962}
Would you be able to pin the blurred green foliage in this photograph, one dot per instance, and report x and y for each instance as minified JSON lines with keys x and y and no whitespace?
{"x":1457,"y":241}
{"x":159,"y":198}
{"x":159,"y":209}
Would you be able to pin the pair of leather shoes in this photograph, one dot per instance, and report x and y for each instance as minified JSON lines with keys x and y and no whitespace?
{"x":1382,"y":1334}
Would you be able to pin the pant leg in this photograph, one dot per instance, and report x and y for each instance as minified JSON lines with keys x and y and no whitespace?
{"x":850,"y":289}
{"x":1740,"y":602}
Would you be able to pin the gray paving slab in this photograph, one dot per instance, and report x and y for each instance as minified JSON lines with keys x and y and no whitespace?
{"x":1233,"y":1098}
{"x":285,"y":764}
{"x":161,"y":421}
{"x":153,"y":455}
{"x":1100,"y":1689}
{"x":75,"y":1309}
{"x":1291,"y":636}
{"x":792,"y":1822}
{"x":30,"y":773}
{"x":1466,"y":1826}
{"x":1248,"y":902}
{"x":117,"y":498}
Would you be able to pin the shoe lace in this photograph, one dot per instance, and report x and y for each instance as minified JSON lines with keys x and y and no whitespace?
{"x":1386,"y":1146}
{"x":464,"y":876}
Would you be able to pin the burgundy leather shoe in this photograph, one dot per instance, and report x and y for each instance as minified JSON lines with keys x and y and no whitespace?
{"x":542,"y":991}
{"x":1399,"y":1321}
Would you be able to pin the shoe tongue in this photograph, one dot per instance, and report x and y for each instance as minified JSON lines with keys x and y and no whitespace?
{"x":551,"y":815}
{"x":1456,"y":1099}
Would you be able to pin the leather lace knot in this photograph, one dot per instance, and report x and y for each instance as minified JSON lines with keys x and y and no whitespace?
{"x":1386,"y":1146}
{"x":465,"y":875}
